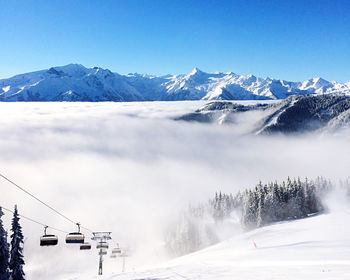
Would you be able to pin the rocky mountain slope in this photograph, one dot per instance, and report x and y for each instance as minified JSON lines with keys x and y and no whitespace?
{"x":75,"y":82}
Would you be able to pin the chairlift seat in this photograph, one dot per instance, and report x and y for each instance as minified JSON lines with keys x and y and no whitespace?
{"x":102,"y":245}
{"x":75,"y":238}
{"x":116,"y":251}
{"x":48,"y":240}
{"x":101,"y":253}
{"x":85,"y":246}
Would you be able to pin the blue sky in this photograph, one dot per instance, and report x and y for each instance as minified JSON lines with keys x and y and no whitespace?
{"x":292,"y":40}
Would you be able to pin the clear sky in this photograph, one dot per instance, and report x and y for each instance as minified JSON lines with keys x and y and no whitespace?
{"x":292,"y":40}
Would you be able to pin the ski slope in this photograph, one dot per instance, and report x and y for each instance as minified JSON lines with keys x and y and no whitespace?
{"x":317,"y":247}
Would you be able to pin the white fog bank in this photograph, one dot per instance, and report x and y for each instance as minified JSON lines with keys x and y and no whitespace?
{"x":128,"y":168}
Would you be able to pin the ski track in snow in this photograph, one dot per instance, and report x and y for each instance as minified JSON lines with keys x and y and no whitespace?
{"x":274,"y":117}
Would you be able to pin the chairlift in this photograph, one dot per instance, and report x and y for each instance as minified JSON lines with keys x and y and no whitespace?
{"x":102,"y":252}
{"x":48,"y":239}
{"x":85,"y":246}
{"x":116,"y":250}
{"x":75,"y":237}
{"x":102,"y":245}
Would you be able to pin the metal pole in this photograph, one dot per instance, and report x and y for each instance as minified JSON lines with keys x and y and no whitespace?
{"x":100,"y":264}
{"x":123,"y":264}
{"x":100,"y":237}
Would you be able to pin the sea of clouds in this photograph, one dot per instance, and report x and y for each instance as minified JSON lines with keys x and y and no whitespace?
{"x":129,"y":168}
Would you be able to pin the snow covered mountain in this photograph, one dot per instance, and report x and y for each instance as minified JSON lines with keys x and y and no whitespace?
{"x":291,"y":115}
{"x":68,"y":83}
{"x":75,"y":82}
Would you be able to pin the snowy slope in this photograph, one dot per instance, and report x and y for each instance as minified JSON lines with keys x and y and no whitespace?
{"x":317,"y":247}
{"x":74,"y":82}
{"x":294,"y":114}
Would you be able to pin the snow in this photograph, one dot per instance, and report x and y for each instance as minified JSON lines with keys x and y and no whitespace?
{"x":195,"y":71}
{"x":98,"y":84}
{"x":6,"y":89}
{"x":317,"y":247}
{"x":318,"y":85}
{"x":273,"y":120}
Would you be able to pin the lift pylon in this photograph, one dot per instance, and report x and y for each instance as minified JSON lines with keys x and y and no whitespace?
{"x":100,"y":237}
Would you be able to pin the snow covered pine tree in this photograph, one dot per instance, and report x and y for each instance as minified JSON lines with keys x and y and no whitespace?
{"x":16,"y":254}
{"x":4,"y":252}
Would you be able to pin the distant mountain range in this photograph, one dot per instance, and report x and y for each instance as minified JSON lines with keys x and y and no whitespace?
{"x":74,"y":82}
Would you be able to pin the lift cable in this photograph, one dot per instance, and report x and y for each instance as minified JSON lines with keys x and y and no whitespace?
{"x":32,"y":220}
{"x":42,"y":202}
{"x":86,"y":228}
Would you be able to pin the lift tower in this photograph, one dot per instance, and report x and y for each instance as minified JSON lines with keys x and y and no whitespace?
{"x":101,"y":237}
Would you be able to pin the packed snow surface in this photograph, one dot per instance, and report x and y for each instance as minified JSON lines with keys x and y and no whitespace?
{"x":317,"y":247}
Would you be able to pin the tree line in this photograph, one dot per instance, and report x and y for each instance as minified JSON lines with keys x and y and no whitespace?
{"x":200,"y":226}
{"x":11,"y":255}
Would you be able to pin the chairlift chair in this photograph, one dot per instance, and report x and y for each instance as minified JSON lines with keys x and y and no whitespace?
{"x":75,"y":237}
{"x":48,"y":239}
{"x":102,"y":245}
{"x":102,"y":252}
{"x":117,"y":250}
{"x":85,"y":246}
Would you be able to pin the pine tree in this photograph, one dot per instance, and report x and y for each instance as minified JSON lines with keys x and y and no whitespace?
{"x":260,"y":210}
{"x":16,"y":254}
{"x":258,"y":206}
{"x":4,"y":252}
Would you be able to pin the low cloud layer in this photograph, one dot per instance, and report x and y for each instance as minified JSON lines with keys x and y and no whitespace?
{"x":128,"y":168}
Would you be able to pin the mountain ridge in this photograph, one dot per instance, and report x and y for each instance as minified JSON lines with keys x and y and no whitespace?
{"x":295,"y":114}
{"x":74,"y":82}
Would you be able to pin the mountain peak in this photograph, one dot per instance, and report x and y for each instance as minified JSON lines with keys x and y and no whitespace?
{"x":98,"y":84}
{"x":321,"y":80}
{"x":71,"y":66}
{"x":72,"y":69}
{"x":196,"y":71}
